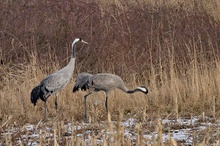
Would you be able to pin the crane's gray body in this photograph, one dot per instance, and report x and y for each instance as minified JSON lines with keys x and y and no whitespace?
{"x":55,"y":82}
{"x":58,"y":80}
{"x":102,"y":82}
{"x":106,"y":82}
{"x":99,"y":82}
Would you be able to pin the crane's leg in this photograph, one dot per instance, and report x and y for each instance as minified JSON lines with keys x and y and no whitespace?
{"x":106,"y":102}
{"x":56,"y":104}
{"x":85,"y":116}
{"x":45,"y":109}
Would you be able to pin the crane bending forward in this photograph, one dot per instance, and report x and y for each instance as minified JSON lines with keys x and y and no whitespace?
{"x":102,"y":82}
{"x":55,"y":82}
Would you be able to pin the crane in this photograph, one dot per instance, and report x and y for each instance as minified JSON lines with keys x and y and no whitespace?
{"x":55,"y":82}
{"x":102,"y":82}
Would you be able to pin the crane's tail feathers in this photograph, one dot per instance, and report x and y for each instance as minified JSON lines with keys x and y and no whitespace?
{"x":35,"y":94}
{"x":82,"y":82}
{"x":84,"y":87}
{"x":75,"y":88}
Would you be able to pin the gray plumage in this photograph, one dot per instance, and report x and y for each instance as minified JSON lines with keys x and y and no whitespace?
{"x":55,"y":82}
{"x":102,"y":82}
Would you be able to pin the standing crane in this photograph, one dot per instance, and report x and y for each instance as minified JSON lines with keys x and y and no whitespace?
{"x":102,"y":82}
{"x":55,"y":82}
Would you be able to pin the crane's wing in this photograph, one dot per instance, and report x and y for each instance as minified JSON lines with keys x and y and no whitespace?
{"x":55,"y":82}
{"x":82,"y":81}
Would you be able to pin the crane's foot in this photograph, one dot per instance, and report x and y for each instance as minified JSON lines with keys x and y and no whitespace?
{"x":86,"y":120}
{"x":45,"y":119}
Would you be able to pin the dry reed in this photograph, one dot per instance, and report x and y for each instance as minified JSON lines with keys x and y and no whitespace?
{"x":171,"y":47}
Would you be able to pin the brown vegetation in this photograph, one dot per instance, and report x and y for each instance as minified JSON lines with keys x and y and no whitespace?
{"x":171,"y":47}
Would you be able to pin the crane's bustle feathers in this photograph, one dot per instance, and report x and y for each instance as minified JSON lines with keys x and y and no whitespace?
{"x":82,"y":81}
{"x":36,"y":94}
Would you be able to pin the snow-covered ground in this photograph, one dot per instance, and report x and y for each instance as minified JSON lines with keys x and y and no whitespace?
{"x":184,"y":130}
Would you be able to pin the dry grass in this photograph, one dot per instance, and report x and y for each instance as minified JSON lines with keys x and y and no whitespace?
{"x":171,"y":47}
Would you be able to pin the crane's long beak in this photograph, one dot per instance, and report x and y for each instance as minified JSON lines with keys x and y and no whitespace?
{"x":84,"y":42}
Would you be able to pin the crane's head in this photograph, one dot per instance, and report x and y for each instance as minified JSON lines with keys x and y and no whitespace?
{"x":81,"y":40}
{"x":78,"y":40}
{"x":143,"y":89}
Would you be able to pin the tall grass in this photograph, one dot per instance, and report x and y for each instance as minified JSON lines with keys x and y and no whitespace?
{"x":169,"y":47}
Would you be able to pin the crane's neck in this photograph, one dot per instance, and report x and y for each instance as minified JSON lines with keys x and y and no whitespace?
{"x":140,"y":89}
{"x":71,"y":65}
{"x":73,"y":50}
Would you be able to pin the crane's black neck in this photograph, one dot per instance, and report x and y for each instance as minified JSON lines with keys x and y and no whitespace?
{"x":132,"y":91}
{"x":73,"y":51}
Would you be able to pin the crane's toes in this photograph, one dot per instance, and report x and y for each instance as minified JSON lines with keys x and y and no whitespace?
{"x":86,"y":120}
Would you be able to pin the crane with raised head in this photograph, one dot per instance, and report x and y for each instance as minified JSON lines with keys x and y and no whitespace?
{"x":55,"y":82}
{"x":102,"y":82}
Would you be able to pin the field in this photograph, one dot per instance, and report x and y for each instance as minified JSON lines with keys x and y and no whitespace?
{"x":171,"y":47}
